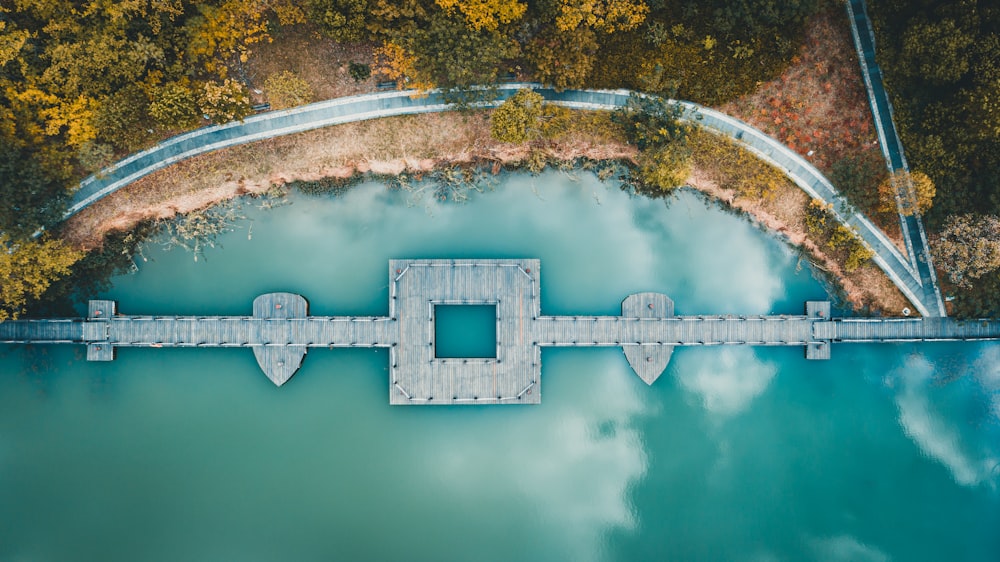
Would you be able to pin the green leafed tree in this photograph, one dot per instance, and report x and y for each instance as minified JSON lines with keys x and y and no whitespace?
{"x":651,"y":121}
{"x":937,"y":51}
{"x":340,"y":20}
{"x":31,"y":197}
{"x":563,"y":59}
{"x":451,"y":55}
{"x":123,"y":120}
{"x":175,"y":106}
{"x":517,"y":119}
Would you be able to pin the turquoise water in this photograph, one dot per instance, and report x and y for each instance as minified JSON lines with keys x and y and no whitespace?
{"x":883,"y":453}
{"x":465,"y":331}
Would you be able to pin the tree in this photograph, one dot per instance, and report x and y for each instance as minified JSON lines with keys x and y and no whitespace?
{"x":32,"y":197}
{"x":753,"y":17}
{"x":340,"y":20}
{"x":516,"y":120}
{"x":398,"y":63}
{"x":968,"y":247}
{"x":224,"y":102}
{"x":28,"y":268}
{"x":485,"y":14}
{"x":855,"y":176}
{"x":563,"y":58}
{"x":99,"y":65}
{"x":608,"y":16}
{"x":175,"y":106}
{"x":938,"y":52}
{"x":123,"y":120}
{"x":453,"y":56}
{"x":916,"y":193}
{"x":286,"y":89}
{"x":12,"y":40}
{"x":665,"y":167}
{"x":224,"y":31}
{"x":651,"y":121}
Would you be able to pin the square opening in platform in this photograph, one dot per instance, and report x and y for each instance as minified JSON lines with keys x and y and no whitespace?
{"x":465,"y":331}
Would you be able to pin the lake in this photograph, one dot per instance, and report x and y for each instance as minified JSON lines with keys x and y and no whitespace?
{"x":885,"y":452}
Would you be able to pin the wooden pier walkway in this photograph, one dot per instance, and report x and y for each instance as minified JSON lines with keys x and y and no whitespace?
{"x":280,"y":331}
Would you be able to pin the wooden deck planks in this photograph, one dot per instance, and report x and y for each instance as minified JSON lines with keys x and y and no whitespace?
{"x":280,"y":331}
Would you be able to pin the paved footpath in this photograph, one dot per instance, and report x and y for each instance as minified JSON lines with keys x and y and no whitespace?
{"x":387,"y":104}
{"x":892,"y":149}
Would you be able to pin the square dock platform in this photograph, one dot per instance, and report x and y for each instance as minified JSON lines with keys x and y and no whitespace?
{"x":419,"y":377}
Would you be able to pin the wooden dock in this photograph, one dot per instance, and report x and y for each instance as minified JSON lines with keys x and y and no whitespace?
{"x":280,"y":331}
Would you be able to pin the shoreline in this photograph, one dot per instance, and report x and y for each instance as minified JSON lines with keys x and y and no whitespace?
{"x":511,"y":159}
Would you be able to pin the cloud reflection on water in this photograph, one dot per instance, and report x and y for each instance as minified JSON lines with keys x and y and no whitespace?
{"x":728,"y":379}
{"x":919,"y":403}
{"x":573,"y":462}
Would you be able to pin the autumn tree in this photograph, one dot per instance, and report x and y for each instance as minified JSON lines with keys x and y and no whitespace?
{"x":485,"y":14}
{"x":968,"y":247}
{"x":287,"y":89}
{"x":563,"y":59}
{"x":28,"y":268}
{"x":398,"y":63}
{"x":608,"y":16}
{"x":340,"y":20}
{"x":12,"y":40}
{"x":224,"y":101}
{"x":225,"y":32}
{"x":665,"y":167}
{"x":517,"y":119}
{"x":456,"y":57}
{"x":915,"y":192}
{"x":175,"y":106}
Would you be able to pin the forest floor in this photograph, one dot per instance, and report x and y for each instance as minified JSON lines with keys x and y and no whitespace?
{"x":816,"y":105}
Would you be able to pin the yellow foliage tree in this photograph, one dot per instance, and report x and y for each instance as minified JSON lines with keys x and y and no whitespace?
{"x":399,"y":64}
{"x":915,"y":189}
{"x":227,"y":30}
{"x":286,"y":89}
{"x":517,"y":119}
{"x":666,"y":167}
{"x":486,"y":14}
{"x":55,"y":116}
{"x":608,"y":16}
{"x":224,"y":102}
{"x":28,"y":268}
{"x":11,"y":42}
{"x":75,"y":118}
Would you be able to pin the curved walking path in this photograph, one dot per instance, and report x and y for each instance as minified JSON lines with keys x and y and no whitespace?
{"x":892,"y":149}
{"x":373,"y":106}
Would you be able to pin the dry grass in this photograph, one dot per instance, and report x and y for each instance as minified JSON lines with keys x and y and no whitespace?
{"x":818,"y":106}
{"x":384,"y":146}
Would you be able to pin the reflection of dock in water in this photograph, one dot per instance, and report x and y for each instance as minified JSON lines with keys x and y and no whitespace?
{"x":280,"y":331}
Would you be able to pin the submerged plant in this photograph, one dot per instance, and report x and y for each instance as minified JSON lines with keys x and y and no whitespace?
{"x":453,"y":183}
{"x":197,"y":230}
